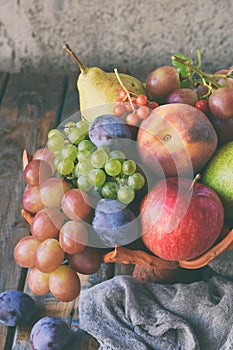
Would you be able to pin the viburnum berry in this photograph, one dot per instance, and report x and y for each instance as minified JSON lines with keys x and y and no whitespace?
{"x":141,"y":100}
{"x":202,"y":105}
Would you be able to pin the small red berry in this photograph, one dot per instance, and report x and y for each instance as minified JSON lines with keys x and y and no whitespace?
{"x":152,"y":104}
{"x":118,"y":100}
{"x":122,"y":94}
{"x":141,"y":100}
{"x":128,"y":106}
{"x":143,"y":112}
{"x":202,"y":105}
{"x":132,"y":119}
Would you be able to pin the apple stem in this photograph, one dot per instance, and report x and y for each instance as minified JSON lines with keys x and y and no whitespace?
{"x":196,"y":178}
{"x":124,"y":88}
{"x":81,"y":66}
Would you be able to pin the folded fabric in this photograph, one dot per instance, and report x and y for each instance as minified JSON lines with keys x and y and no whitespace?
{"x":223,"y":264}
{"x":123,"y":314}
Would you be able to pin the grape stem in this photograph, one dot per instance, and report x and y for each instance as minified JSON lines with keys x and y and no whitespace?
{"x":198,"y":59}
{"x":204,"y":76}
{"x":124,"y":88}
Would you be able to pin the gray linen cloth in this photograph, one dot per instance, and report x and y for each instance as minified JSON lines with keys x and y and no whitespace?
{"x":123,"y":313}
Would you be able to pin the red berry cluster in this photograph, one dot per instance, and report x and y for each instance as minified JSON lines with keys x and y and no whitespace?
{"x":135,"y":109}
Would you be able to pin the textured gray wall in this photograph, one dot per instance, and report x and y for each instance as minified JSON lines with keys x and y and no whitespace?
{"x":131,"y":34}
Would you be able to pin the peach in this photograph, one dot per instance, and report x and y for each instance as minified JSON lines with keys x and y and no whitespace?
{"x":176,"y":140}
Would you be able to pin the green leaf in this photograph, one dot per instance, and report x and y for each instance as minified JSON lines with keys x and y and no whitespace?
{"x":180,"y":67}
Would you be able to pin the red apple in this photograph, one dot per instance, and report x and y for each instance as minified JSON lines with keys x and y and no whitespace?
{"x":180,"y":221}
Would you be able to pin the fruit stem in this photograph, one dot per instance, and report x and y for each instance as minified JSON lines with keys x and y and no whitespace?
{"x":81,"y":66}
{"x":203,"y":75}
{"x":196,"y":178}
{"x":124,"y":88}
{"x":198,"y":58}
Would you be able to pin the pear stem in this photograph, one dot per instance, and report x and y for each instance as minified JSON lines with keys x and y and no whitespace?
{"x":196,"y":178}
{"x":124,"y":88}
{"x":81,"y":66}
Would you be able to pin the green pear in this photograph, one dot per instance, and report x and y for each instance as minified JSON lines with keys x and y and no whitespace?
{"x":99,"y":90}
{"x":218,"y":175}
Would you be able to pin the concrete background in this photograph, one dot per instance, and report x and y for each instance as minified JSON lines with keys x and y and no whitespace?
{"x":128,"y":34}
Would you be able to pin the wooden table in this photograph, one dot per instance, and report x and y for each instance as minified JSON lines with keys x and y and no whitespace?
{"x":32,"y":104}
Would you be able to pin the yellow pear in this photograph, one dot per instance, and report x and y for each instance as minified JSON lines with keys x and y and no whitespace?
{"x":99,"y":90}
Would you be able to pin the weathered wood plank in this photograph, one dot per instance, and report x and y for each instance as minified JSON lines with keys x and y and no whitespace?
{"x":29,"y":108}
{"x":71,"y":98}
{"x":3,"y":83}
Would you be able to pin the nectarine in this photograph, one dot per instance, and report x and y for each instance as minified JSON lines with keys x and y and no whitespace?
{"x":176,"y":140}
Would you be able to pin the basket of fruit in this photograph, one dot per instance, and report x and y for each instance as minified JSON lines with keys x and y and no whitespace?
{"x":142,"y":174}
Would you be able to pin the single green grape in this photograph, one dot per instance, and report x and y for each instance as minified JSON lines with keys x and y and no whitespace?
{"x":68,"y":127}
{"x":85,"y":145}
{"x":97,"y":177}
{"x":83,"y":168}
{"x":54,"y":132}
{"x":136,"y":181}
{"x":117,"y":154}
{"x":109,"y":190}
{"x":83,"y":183}
{"x":76,"y":135}
{"x":69,"y":151}
{"x":129,"y":167}
{"x":125,"y":194}
{"x":65,"y":166}
{"x":75,"y":171}
{"x":57,"y":159}
{"x":83,"y":127}
{"x":99,"y":158}
{"x":113,"y":167}
{"x":104,"y":148}
{"x":55,"y":143}
{"x":83,"y":155}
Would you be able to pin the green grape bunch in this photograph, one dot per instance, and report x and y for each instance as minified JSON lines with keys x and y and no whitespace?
{"x":87,"y":167}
